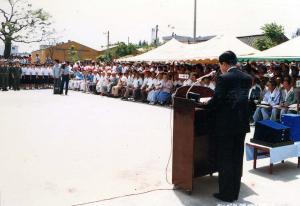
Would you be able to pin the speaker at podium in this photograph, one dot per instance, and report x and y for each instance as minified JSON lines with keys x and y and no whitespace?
{"x":193,"y":148}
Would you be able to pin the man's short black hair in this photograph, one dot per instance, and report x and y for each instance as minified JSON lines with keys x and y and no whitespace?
{"x":228,"y":57}
{"x":287,"y":79}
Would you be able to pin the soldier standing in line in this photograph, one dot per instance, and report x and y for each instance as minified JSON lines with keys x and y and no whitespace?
{"x":1,"y":74}
{"x":5,"y":77}
{"x":10,"y":75}
{"x":17,"y":76}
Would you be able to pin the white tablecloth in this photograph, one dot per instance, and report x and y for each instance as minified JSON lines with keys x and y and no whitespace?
{"x":277,"y":154}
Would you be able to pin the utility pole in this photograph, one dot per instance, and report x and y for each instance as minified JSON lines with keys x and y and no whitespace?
{"x":128,"y":40}
{"x":108,"y":39}
{"x":195,"y":20}
{"x":156,"y":35}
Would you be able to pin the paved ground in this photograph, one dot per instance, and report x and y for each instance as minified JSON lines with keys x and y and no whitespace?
{"x":67,"y":150}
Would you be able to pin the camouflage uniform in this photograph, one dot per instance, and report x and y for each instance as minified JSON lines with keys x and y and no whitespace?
{"x":17,"y":72}
{"x":5,"y":77}
{"x":10,"y":76}
{"x":1,"y":74}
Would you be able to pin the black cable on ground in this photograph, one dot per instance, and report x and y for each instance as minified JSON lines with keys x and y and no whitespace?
{"x":123,"y":196}
{"x":150,"y":191}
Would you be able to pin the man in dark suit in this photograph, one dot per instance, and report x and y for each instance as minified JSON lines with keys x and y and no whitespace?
{"x":231,"y":123}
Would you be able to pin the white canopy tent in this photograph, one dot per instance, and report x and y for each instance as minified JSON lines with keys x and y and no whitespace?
{"x":208,"y":51}
{"x":167,"y":52}
{"x":289,"y":50}
{"x":211,"y":50}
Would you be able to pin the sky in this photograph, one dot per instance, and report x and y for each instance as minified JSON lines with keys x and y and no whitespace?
{"x":86,"y":21}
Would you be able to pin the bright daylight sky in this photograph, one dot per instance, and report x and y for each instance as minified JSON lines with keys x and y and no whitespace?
{"x":85,"y":21}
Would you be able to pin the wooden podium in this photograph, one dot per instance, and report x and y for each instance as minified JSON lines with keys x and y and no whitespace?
{"x":193,"y":149}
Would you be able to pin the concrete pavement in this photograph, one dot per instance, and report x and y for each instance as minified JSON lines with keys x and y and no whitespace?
{"x":68,"y":150}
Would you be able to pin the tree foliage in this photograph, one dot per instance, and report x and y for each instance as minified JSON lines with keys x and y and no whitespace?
{"x":21,"y":23}
{"x":117,"y":52}
{"x":73,"y":54}
{"x":273,"y":35}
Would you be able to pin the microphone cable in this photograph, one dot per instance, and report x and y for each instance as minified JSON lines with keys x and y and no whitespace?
{"x":149,"y":191}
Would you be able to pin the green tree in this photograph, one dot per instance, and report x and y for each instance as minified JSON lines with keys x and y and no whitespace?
{"x":123,"y":50}
{"x":273,"y":35}
{"x":73,"y":54}
{"x":107,"y":57}
{"x":21,"y":23}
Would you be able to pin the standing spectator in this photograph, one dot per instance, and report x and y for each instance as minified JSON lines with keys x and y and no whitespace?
{"x":17,"y":76}
{"x":56,"y":74}
{"x":65,"y":74}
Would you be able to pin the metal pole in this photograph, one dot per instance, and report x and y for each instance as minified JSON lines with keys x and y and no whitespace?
{"x":156,"y":36}
{"x":108,"y":40}
{"x":195,"y":20}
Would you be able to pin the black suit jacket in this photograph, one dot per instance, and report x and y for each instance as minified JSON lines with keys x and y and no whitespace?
{"x":229,"y":105}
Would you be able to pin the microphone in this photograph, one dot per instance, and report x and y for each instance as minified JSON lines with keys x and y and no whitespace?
{"x":212,"y":74}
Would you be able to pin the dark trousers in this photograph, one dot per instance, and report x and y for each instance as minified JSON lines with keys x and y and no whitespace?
{"x":65,"y":80}
{"x":16,"y":84}
{"x":230,"y":151}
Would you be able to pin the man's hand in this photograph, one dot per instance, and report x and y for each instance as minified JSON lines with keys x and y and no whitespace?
{"x":211,"y":74}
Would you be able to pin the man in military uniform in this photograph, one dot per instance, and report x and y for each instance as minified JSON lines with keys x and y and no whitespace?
{"x":10,"y":75}
{"x":5,"y":76}
{"x":17,"y":72}
{"x":1,"y":73}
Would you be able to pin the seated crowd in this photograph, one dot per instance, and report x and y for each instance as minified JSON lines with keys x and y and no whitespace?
{"x":153,"y":84}
{"x":272,"y":93}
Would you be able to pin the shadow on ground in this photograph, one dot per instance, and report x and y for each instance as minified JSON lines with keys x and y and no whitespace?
{"x":284,"y":172}
{"x":204,"y":188}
